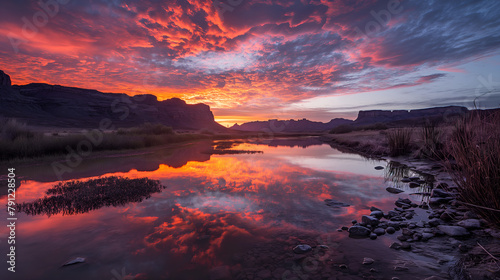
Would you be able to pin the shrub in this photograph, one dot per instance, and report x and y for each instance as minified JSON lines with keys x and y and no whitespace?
{"x":475,"y":149}
{"x":147,"y":128}
{"x":344,"y":128}
{"x":375,"y":126}
{"x":12,"y":129}
{"x":399,"y":141}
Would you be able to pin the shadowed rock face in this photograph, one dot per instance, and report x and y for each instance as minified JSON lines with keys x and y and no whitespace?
{"x":58,"y":106}
{"x":4,"y":79}
{"x":386,"y":116}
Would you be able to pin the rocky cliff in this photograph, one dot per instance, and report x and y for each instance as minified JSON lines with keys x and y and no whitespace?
{"x":385,"y":116}
{"x":4,"y":79}
{"x":59,"y":106}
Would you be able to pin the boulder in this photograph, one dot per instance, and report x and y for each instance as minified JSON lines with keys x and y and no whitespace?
{"x":369,"y":220}
{"x":359,"y":231}
{"x":402,"y":202}
{"x":379,"y":231}
{"x":440,"y":193}
{"x":377,"y":214}
{"x":390,"y":230}
{"x":470,"y":224}
{"x":454,"y":231}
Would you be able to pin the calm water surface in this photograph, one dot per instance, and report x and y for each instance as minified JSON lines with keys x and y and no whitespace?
{"x":233,"y":216}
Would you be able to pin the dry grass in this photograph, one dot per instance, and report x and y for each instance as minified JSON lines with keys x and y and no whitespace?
{"x":475,"y":149}
{"x":432,"y":147}
{"x":17,"y":142}
{"x":399,"y":141}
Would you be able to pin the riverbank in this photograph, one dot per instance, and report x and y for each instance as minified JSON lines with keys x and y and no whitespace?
{"x":459,"y":230}
{"x":19,"y":143}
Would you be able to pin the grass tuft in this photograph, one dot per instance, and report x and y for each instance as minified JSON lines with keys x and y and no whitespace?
{"x":398,"y":141}
{"x":475,"y":149}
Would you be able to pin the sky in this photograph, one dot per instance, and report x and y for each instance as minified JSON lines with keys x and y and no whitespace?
{"x":258,"y":60}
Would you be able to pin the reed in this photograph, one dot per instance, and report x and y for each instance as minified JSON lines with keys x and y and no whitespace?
{"x":475,"y":150}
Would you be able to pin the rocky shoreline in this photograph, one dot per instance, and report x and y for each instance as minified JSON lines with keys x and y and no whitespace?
{"x":461,"y":230}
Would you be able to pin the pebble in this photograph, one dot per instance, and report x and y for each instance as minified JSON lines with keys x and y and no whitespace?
{"x":368,"y":261}
{"x":395,"y":245}
{"x":302,"y":249}
{"x":390,"y":230}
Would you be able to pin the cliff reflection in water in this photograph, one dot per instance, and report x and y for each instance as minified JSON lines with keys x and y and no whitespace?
{"x":77,"y":197}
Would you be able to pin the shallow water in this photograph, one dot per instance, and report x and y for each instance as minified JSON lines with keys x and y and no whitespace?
{"x":233,"y":216}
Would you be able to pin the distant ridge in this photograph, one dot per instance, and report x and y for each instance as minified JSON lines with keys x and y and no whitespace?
{"x":417,"y":116}
{"x":303,"y":125}
{"x":365,"y":118}
{"x":59,"y":106}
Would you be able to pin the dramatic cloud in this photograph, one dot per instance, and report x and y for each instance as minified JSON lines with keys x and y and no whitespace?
{"x":242,"y":53}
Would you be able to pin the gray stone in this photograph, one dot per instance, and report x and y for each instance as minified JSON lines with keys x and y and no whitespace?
{"x":413,"y":185}
{"x":439,"y":200}
{"x":395,"y":245}
{"x":335,"y":204}
{"x":369,"y":220}
{"x":434,"y":222}
{"x":470,"y":223}
{"x":390,"y":230}
{"x":407,"y":232}
{"x":302,"y":249}
{"x":373,"y":236}
{"x":393,"y":190}
{"x":454,"y":231}
{"x":379,"y":167}
{"x":379,"y":231}
{"x":470,"y":215}
{"x":392,"y":213}
{"x":406,"y":246}
{"x":377,"y":214}
{"x":368,"y":261}
{"x":426,"y":236}
{"x":400,"y":202}
{"x":373,"y":208}
{"x":440,"y":193}
{"x":359,"y":231}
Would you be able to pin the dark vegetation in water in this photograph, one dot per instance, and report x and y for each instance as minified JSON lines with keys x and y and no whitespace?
{"x":224,"y":148}
{"x":75,"y":197}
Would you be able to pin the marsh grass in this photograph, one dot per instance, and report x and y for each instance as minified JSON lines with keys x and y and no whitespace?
{"x":475,"y":148}
{"x":346,"y":128}
{"x":432,"y":147}
{"x":17,"y":142}
{"x":146,"y":129}
{"x":75,"y":197}
{"x":12,"y":129}
{"x":398,"y":141}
